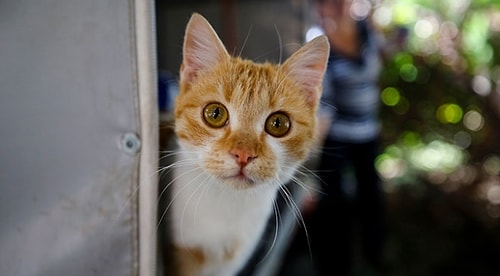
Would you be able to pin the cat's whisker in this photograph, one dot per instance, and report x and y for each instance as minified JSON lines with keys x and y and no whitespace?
{"x":299,"y":182}
{"x":164,"y":154}
{"x":126,"y":203}
{"x":177,"y":164}
{"x":245,"y":41}
{"x":283,"y":79}
{"x":168,"y":168}
{"x":267,"y":53}
{"x":308,"y":173}
{"x":296,"y":211}
{"x":280,"y":43}
{"x":277,"y":222}
{"x":186,"y":205}
{"x":136,"y":189}
{"x":304,"y":172}
{"x":174,"y":196}
{"x":325,"y":104}
{"x":202,"y":194}
{"x":287,"y":195}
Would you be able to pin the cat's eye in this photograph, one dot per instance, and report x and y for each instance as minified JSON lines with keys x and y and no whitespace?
{"x":278,"y":124}
{"x":215,"y":115}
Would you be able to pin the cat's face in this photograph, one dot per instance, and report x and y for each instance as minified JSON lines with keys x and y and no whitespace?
{"x":246,"y":123}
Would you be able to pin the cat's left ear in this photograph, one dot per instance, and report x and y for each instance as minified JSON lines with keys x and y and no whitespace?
{"x":308,"y":66}
{"x":202,"y":48}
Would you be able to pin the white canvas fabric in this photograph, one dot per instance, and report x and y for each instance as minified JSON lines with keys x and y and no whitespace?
{"x":78,"y":125}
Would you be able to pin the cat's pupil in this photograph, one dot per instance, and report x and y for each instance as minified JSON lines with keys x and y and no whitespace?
{"x":277,"y":123}
{"x":216,"y":113}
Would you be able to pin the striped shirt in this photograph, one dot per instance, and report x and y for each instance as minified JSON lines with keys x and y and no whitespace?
{"x":351,"y":93}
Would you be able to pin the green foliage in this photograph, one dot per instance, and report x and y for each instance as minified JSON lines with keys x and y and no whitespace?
{"x":438,"y":86}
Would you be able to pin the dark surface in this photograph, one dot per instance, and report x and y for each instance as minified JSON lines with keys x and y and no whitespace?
{"x":430,"y":232}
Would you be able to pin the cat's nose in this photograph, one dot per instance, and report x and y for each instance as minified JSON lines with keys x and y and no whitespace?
{"x":243,"y":156}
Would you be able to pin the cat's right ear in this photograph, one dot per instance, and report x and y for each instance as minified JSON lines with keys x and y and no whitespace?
{"x":202,"y":48}
{"x":308,"y":66}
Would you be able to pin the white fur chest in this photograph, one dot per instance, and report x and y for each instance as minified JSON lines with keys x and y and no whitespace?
{"x":223,"y":222}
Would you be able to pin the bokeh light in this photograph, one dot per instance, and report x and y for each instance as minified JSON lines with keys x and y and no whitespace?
{"x":481,"y":85}
{"x":462,"y":139}
{"x":404,"y":13}
{"x":437,"y":155}
{"x":473,"y":120}
{"x":390,"y":96}
{"x":426,"y":27}
{"x":313,"y":32}
{"x":390,"y":167}
{"x":492,"y":165}
{"x":493,"y":194}
{"x":408,"y":72}
{"x":360,"y":9}
{"x":382,"y":16}
{"x":449,"y":113}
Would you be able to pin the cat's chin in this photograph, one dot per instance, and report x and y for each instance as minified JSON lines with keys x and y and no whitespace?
{"x":240,"y":182}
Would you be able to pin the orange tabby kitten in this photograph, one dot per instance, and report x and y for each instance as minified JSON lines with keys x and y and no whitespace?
{"x":243,"y":129}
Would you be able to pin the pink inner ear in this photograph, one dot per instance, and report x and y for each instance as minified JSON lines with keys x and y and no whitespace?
{"x":308,"y":66}
{"x":202,"y":48}
{"x":188,"y":73}
{"x":311,"y":79}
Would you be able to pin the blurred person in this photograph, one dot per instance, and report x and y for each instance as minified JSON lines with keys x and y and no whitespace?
{"x":350,"y":101}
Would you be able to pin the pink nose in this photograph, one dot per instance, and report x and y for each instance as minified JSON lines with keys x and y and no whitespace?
{"x":243,"y":157}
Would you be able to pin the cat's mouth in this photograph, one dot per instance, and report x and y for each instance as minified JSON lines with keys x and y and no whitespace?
{"x":241,"y":176}
{"x":240,"y":179}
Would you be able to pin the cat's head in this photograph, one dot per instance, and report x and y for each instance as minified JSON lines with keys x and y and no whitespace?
{"x":243,"y":122}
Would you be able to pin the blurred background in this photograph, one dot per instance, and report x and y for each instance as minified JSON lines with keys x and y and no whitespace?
{"x":440,"y":95}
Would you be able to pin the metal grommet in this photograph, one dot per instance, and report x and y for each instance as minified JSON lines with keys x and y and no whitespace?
{"x":130,"y":143}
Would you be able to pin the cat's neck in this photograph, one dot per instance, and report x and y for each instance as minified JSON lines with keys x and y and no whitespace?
{"x":195,"y":187}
